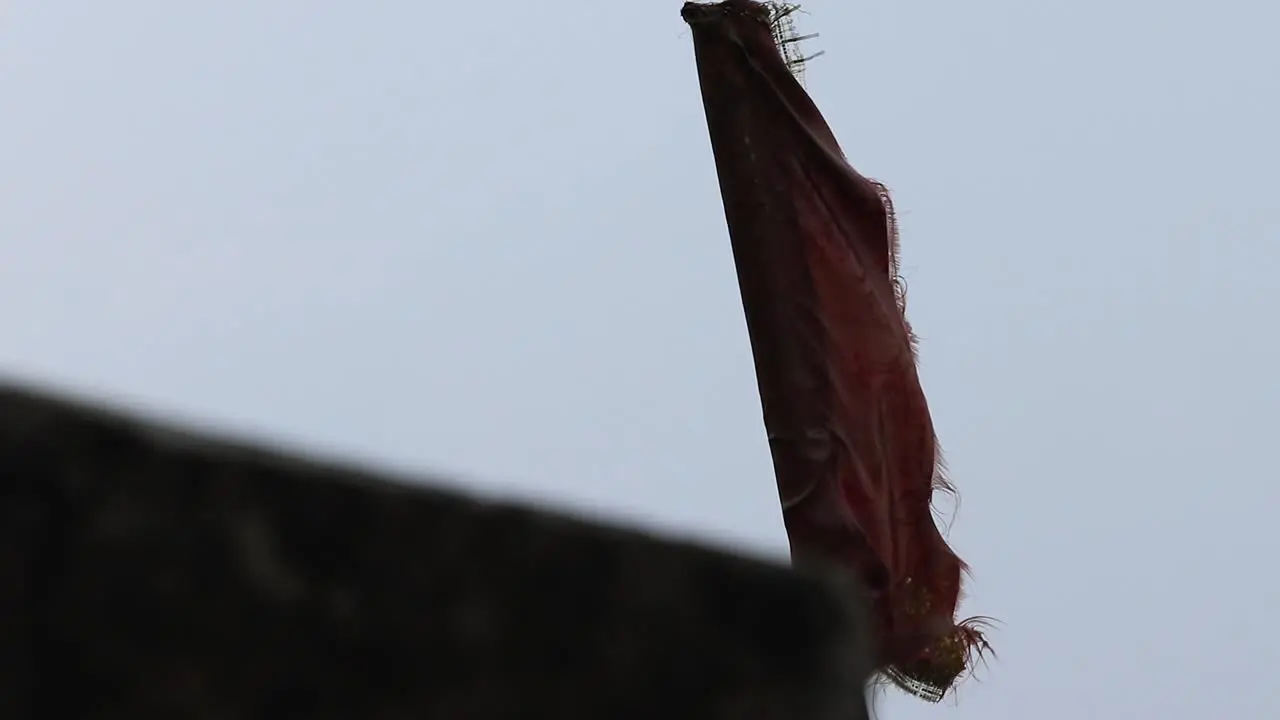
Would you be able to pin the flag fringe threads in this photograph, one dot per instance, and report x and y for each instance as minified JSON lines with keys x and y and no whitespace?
{"x":815,"y":245}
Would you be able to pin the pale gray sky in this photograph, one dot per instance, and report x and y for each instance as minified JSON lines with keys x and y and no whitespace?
{"x":486,"y":238}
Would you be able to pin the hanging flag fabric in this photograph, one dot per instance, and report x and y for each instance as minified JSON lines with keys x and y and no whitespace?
{"x":815,"y":247}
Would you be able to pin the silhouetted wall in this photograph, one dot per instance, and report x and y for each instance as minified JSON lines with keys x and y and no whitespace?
{"x":148,"y":572}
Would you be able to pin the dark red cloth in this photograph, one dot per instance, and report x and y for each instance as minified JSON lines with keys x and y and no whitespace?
{"x":853,"y":444}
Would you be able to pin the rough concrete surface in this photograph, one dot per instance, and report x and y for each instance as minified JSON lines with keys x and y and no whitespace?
{"x":150,"y":572}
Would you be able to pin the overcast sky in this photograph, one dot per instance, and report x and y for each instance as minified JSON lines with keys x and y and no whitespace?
{"x":486,"y":239}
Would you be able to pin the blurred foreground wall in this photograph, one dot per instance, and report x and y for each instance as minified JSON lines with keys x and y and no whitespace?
{"x":147,"y":572}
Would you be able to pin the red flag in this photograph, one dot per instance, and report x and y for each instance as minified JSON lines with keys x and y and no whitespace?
{"x":815,"y":245}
